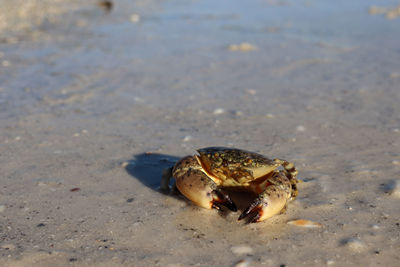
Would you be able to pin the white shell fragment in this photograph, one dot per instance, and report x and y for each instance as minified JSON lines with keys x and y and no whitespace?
{"x":219,"y":111}
{"x":135,"y":18}
{"x":187,"y":138}
{"x":242,"y":47}
{"x":243,"y":263}
{"x":242,"y":250}
{"x":354,"y":244}
{"x":300,"y":128}
{"x":305,"y":223}
{"x":124,"y":164}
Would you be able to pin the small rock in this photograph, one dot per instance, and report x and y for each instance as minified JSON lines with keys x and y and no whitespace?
{"x":330,"y":262}
{"x":187,"y":138}
{"x":269,"y":115}
{"x":251,"y":91}
{"x":305,"y":223}
{"x":243,"y":263}
{"x":242,"y":250}
{"x":300,"y":128}
{"x":135,"y":18}
{"x":2,"y":208}
{"x":354,"y":244}
{"x":106,"y":5}
{"x":219,"y":111}
{"x":8,"y":247}
{"x":396,"y":162}
{"x":242,"y":47}
{"x":384,"y":215}
{"x":124,"y":164}
{"x":375,"y":226}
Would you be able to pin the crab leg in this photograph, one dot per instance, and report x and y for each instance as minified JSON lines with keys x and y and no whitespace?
{"x":270,"y":202}
{"x":166,"y":176}
{"x":198,"y":187}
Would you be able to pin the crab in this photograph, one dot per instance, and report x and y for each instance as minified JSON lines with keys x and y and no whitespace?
{"x":206,"y":178}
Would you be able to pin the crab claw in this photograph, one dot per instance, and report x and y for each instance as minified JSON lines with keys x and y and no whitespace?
{"x":254,"y":212}
{"x":221,"y":199}
{"x":195,"y":185}
{"x":271,"y":202}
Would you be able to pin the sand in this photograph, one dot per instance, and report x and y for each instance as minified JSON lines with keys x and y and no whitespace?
{"x":95,"y":104}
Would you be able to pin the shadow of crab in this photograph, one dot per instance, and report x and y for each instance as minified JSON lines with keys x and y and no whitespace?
{"x":148,"y":168}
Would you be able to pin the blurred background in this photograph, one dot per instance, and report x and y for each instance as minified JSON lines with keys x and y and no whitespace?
{"x":98,"y":97}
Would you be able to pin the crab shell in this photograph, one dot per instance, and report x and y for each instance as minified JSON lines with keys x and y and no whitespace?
{"x":201,"y":177}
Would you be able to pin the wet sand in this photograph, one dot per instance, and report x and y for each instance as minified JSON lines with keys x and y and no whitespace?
{"x":95,"y":104}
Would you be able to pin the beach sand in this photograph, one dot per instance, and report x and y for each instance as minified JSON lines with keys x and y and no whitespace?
{"x":95,"y":103}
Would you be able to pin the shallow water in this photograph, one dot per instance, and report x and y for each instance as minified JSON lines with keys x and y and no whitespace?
{"x":103,"y":102}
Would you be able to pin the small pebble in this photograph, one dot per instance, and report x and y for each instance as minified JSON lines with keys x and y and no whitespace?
{"x":2,"y":208}
{"x":330,"y":262}
{"x":305,"y":223}
{"x":300,"y":128}
{"x":135,"y":18}
{"x":269,"y":115}
{"x":396,"y":162}
{"x":354,"y":244}
{"x":243,"y":263}
{"x":251,"y":91}
{"x":375,"y":226}
{"x":187,"y":138}
{"x":219,"y":111}
{"x":124,"y":164}
{"x":242,"y":250}
{"x":5,"y":63}
{"x":17,"y":138}
{"x":75,"y":189}
{"x":242,"y":47}
{"x":106,"y":5}
{"x":384,"y":215}
{"x":8,"y":247}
